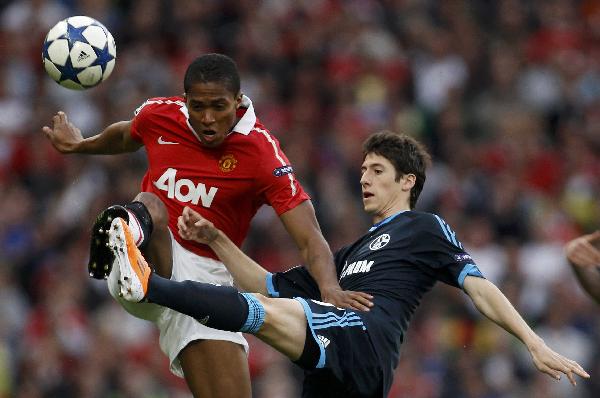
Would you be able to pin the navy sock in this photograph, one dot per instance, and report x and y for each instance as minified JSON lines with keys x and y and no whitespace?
{"x":218,"y":307}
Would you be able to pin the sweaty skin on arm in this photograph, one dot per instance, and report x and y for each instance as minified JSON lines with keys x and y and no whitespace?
{"x":301,"y":223}
{"x":67,"y":138}
{"x":490,"y":301}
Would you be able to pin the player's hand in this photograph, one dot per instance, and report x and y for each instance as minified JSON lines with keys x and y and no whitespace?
{"x":584,"y":251}
{"x":553,"y":364}
{"x":192,"y":226}
{"x":63,"y":135}
{"x":347,"y":299}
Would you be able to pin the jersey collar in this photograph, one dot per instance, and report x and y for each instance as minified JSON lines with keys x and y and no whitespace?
{"x":248,"y":119}
{"x":243,"y":126}
{"x":385,"y":221}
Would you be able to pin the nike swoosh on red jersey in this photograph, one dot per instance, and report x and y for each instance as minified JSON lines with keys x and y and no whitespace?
{"x":163,"y":142}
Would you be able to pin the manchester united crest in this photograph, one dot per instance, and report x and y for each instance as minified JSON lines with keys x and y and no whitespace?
{"x":227,"y":163}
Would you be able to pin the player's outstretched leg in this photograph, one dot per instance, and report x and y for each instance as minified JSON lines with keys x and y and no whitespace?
{"x":101,"y":256}
{"x":134,"y":269}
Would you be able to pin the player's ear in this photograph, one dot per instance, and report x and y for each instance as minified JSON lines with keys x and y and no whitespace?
{"x":184,"y":97}
{"x":238,"y":100}
{"x":408,"y":181}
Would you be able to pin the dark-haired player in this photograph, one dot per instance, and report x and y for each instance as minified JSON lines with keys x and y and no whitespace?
{"x":206,"y":150}
{"x":345,"y":353}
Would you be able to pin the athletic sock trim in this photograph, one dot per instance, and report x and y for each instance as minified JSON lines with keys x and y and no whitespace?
{"x":136,"y":228}
{"x":256,"y":314}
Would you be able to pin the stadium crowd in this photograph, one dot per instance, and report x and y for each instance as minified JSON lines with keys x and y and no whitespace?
{"x":506,"y":95}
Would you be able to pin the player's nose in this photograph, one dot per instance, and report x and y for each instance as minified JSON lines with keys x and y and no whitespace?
{"x":364,"y":179}
{"x":207,"y":118}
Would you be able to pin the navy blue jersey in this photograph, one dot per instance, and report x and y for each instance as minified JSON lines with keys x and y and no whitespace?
{"x":397,"y":262}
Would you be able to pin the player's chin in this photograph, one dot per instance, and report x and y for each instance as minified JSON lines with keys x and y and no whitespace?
{"x":212,"y":141}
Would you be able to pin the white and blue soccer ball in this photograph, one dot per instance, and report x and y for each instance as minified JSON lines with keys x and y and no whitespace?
{"x":79,"y":53}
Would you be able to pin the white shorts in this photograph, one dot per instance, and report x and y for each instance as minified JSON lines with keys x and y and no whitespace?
{"x":178,"y":330}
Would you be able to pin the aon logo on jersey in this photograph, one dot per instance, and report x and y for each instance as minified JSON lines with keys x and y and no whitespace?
{"x":356,"y":267}
{"x":184,"y":190}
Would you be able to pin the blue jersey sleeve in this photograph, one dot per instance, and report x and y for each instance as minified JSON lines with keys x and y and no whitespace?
{"x":437,"y":249}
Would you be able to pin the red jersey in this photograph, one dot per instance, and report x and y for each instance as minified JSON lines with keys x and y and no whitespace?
{"x":226,"y":184}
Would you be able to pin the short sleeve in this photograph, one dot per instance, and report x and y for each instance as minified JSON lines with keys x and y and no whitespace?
{"x":437,"y":248}
{"x":295,"y":282}
{"x":277,"y":181}
{"x":140,"y":121}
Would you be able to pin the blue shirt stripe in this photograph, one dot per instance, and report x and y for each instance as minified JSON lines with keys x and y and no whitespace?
{"x":385,"y":221}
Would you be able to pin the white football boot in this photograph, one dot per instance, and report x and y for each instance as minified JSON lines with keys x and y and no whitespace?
{"x":135,"y":271}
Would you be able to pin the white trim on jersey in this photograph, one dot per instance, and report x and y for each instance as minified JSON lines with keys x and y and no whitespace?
{"x":278,"y":156}
{"x":168,"y":102}
{"x":247,"y":122}
{"x":243,"y":126}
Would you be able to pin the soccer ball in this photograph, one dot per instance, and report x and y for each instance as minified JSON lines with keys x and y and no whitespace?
{"x":79,"y":53}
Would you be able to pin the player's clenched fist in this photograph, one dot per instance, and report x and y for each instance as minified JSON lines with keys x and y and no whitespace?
{"x":63,"y":135}
{"x":192,"y":226}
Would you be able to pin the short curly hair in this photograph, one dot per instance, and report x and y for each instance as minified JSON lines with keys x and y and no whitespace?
{"x":407,"y":155}
{"x":210,"y":68}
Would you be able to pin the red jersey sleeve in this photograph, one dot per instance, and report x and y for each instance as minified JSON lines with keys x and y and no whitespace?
{"x":140,"y":120}
{"x":276,"y":180}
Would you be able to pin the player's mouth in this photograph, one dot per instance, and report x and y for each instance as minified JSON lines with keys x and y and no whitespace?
{"x":367,"y":195}
{"x":209,"y":135}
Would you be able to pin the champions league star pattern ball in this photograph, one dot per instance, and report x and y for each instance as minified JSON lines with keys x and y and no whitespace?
{"x":79,"y":53}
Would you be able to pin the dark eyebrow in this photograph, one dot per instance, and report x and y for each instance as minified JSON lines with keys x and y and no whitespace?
{"x":217,"y":101}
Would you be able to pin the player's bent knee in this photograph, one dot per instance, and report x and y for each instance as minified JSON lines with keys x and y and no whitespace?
{"x":284,"y":325}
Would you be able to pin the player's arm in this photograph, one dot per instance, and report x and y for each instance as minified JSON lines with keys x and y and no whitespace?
{"x":584,"y":258}
{"x":67,"y":138}
{"x":247,"y":273}
{"x":490,"y":301}
{"x":301,"y":224}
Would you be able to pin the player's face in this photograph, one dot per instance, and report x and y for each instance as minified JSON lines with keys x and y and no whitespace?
{"x":382,"y":195}
{"x":211,"y":108}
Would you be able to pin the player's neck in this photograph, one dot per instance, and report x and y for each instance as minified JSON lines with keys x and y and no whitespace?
{"x":389,"y":214}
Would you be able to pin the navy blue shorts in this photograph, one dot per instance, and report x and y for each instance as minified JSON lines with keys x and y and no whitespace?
{"x":344,"y":362}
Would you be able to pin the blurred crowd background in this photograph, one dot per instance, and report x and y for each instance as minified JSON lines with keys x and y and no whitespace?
{"x":505,"y":94}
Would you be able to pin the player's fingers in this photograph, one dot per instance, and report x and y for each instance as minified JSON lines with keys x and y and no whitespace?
{"x":47,"y":131}
{"x":185,"y":213}
{"x":551,"y":372}
{"x":203,"y":223}
{"x":194,"y":215}
{"x":586,"y":258}
{"x":364,"y":295}
{"x":365,"y":301}
{"x":578,"y":369}
{"x":181,"y":223}
{"x":594,"y":236}
{"x":571,"y":375}
{"x":62,"y":117}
